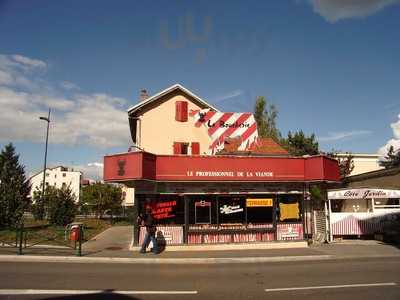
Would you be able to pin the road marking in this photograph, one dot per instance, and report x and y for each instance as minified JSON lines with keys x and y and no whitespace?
{"x":81,"y":292}
{"x":331,"y":286}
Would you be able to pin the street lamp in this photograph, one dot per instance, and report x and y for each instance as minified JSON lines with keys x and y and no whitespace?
{"x":45,"y":152}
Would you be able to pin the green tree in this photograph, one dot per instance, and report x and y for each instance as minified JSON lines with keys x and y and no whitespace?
{"x":298,"y":144}
{"x":265,"y":116}
{"x":58,"y":205}
{"x":101,"y":198}
{"x":14,"y":188}
{"x":346,"y":163}
{"x":40,"y":205}
{"x":392,"y":159}
{"x":62,"y":210}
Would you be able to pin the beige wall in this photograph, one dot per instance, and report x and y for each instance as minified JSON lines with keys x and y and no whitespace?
{"x":363,"y":163}
{"x":128,"y":196}
{"x":159,"y":129}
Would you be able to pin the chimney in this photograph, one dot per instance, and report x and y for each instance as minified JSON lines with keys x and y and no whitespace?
{"x":143,"y":95}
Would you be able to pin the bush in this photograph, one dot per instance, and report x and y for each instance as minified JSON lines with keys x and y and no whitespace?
{"x":57,"y":206}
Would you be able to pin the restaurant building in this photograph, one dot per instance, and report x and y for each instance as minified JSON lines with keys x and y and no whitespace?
{"x":209,"y":178}
{"x":367,"y":204}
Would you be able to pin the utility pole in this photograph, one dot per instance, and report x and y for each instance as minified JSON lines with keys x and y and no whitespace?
{"x":45,"y":153}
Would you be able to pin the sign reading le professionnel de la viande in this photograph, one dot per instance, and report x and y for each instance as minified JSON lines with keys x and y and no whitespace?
{"x":232,"y":174}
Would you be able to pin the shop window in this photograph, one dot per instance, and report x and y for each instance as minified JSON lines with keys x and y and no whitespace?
{"x":181,"y":148}
{"x":202,"y":212}
{"x":337,"y":205}
{"x":351,"y":205}
{"x":195,"y":148}
{"x":289,"y":208}
{"x":166,"y":209}
{"x":231,"y":210}
{"x":181,"y":111}
{"x":387,"y":203}
{"x":259,"y":210}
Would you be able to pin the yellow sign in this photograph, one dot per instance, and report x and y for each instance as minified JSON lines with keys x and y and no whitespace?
{"x":289,"y":211}
{"x":266,"y":202}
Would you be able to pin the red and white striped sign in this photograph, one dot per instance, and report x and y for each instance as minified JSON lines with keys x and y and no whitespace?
{"x":171,"y":234}
{"x":222,"y":125}
{"x":214,"y":238}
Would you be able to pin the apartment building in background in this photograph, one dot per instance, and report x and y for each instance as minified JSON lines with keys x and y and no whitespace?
{"x":58,"y":177}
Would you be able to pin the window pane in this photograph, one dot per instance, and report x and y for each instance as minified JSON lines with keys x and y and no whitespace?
{"x":231,"y":210}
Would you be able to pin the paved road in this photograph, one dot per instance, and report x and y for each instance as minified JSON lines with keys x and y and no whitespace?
{"x":224,"y":281}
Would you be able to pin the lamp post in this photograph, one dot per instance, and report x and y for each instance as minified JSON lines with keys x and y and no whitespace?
{"x":45,"y":153}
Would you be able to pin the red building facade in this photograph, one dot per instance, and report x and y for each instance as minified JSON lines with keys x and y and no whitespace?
{"x":222,"y":199}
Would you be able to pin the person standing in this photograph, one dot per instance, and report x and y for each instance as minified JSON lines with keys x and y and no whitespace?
{"x":148,"y":221}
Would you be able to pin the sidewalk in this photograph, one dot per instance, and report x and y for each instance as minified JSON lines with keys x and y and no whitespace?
{"x":114,"y":238}
{"x":343,"y":250}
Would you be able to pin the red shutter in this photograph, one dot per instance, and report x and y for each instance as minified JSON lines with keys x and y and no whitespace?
{"x":181,"y":111}
{"x":177,"y":148}
{"x":195,"y":148}
{"x":184,"y":111}
{"x":178,"y":110}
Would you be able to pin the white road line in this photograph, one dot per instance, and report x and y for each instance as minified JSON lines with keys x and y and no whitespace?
{"x":331,"y":286}
{"x":80,"y":292}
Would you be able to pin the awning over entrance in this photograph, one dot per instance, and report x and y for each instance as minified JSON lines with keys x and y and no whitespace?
{"x":146,"y":166}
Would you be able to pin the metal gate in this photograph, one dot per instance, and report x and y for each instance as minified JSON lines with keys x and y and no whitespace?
{"x":320,"y":226}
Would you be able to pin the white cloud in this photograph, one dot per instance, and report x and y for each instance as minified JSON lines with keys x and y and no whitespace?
{"x":335,"y":136}
{"x":229,"y":95}
{"x":5,"y":78}
{"x":395,"y":142}
{"x":29,"y":62}
{"x":91,"y":170}
{"x":98,"y":120}
{"x":334,"y":10}
{"x":396,"y":128}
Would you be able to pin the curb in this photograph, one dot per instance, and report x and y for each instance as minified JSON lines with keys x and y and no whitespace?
{"x":231,"y":247}
{"x":155,"y":260}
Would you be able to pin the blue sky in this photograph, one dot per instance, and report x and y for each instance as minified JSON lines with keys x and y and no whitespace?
{"x":331,"y":68}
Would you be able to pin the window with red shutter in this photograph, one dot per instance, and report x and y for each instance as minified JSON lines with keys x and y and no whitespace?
{"x":195,"y":148}
{"x":181,"y":148}
{"x":181,"y":111}
{"x":177,"y":148}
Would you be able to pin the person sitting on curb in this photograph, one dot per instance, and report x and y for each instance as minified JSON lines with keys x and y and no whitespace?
{"x":148,"y":221}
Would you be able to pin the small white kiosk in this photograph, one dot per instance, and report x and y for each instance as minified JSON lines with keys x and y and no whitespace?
{"x":362,"y":211}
